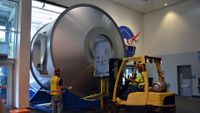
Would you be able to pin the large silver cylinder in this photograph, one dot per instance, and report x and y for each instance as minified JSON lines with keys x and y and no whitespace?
{"x":69,"y":44}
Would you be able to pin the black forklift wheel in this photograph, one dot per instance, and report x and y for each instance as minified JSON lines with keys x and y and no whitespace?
{"x":112,"y":108}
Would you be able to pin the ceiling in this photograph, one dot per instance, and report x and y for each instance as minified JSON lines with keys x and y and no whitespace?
{"x":6,"y":7}
{"x":146,"y":6}
{"x":43,"y":13}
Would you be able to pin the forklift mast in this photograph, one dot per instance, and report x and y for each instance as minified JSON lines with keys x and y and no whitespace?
{"x":114,"y":65}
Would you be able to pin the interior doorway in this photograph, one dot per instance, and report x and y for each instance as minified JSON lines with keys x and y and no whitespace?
{"x":184,"y":80}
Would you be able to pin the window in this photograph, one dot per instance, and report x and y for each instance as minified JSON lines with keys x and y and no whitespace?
{"x":8,"y":27}
{"x":3,"y":83}
{"x":2,"y":34}
{"x":43,"y":13}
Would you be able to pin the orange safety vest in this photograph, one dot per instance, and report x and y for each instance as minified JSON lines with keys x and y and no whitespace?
{"x":55,"y":87}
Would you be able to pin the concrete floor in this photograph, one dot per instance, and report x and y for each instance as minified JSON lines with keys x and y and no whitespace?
{"x":187,"y":105}
{"x":184,"y":105}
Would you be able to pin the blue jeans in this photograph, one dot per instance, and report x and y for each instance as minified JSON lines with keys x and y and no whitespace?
{"x":57,"y":103}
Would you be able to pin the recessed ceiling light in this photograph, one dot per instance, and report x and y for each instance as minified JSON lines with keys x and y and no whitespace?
{"x":165,"y":4}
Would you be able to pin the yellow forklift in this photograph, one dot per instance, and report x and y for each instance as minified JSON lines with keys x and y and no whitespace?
{"x":154,"y":98}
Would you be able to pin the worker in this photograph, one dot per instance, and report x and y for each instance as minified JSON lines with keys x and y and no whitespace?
{"x":1,"y":107}
{"x":56,"y":92}
{"x":137,"y":84}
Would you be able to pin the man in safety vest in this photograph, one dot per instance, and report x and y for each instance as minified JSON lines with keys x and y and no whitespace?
{"x":56,"y":92}
{"x":1,"y":107}
{"x":137,"y":84}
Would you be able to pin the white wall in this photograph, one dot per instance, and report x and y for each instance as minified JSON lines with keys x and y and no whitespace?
{"x":170,"y":63}
{"x":121,"y":15}
{"x":173,"y":30}
{"x":174,"y":34}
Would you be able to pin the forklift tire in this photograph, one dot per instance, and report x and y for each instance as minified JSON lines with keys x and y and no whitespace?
{"x":112,"y":108}
{"x":159,"y":112}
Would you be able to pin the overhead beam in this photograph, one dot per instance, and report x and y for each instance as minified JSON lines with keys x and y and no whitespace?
{"x":12,"y":14}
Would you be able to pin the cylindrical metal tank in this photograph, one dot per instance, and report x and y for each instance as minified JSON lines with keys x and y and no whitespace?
{"x":159,"y":87}
{"x":69,"y":44}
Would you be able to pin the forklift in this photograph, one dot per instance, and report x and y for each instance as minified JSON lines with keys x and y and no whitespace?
{"x":154,"y":98}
